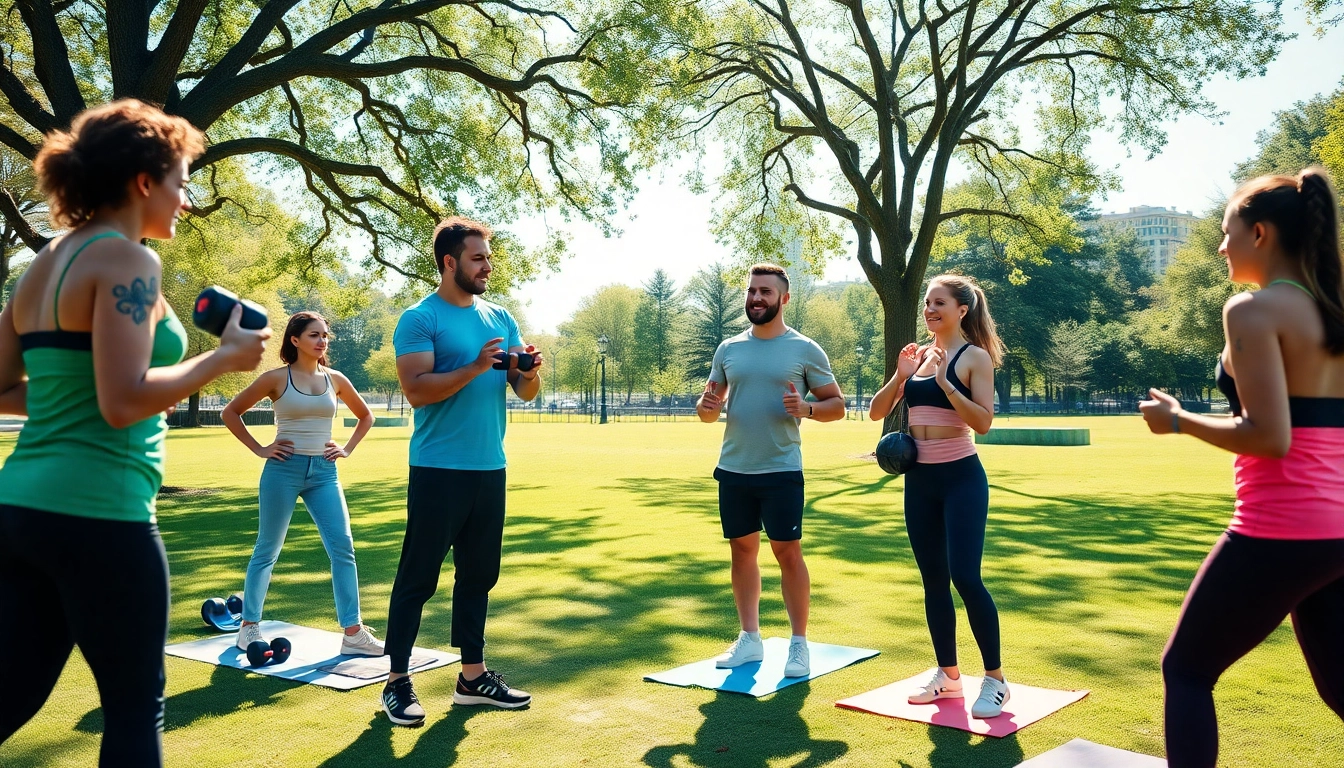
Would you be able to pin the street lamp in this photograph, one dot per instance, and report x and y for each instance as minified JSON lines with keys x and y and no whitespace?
{"x":858,"y":376}
{"x":602,"y":342}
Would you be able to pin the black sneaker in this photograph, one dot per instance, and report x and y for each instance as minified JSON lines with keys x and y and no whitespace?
{"x":491,"y":689}
{"x":401,"y":705}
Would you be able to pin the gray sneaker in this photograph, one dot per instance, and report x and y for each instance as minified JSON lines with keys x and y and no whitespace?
{"x":362,"y":643}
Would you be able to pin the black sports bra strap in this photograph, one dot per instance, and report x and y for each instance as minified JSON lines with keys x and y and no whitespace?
{"x":957,"y":356}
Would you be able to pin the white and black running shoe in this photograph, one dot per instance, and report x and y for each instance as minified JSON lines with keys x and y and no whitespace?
{"x":993,"y":695}
{"x":491,"y":689}
{"x":940,"y":686}
{"x":401,"y":705}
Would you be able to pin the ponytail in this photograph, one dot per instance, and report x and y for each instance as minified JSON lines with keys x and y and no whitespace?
{"x":1305,"y":212}
{"x":978,"y":326}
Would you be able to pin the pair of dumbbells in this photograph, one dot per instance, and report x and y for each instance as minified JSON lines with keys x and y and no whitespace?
{"x":224,"y":614}
{"x":260,"y":653}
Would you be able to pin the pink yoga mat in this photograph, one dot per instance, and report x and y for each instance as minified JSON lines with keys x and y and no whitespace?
{"x":1027,"y":705}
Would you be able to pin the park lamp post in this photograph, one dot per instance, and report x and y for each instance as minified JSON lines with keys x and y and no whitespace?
{"x":858,"y":379}
{"x":602,"y":342}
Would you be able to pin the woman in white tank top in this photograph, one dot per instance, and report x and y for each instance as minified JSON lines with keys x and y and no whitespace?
{"x":301,"y":463}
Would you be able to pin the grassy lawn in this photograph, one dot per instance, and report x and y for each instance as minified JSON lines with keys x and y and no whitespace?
{"x":614,"y":567}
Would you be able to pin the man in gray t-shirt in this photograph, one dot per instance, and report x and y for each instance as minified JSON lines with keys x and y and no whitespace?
{"x":767,"y":371}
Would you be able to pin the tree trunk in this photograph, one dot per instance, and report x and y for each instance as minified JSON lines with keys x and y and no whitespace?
{"x":193,"y":410}
{"x":898,"y":329}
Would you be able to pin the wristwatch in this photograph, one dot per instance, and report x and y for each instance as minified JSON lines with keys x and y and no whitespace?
{"x":809,"y":410}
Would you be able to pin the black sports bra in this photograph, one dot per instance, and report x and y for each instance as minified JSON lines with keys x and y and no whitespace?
{"x":1302,"y":411}
{"x":925,"y":390}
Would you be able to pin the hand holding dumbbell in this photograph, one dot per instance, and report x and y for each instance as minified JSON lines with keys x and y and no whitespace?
{"x":241,"y":325}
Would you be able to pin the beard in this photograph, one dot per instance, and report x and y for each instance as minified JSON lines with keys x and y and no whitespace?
{"x":766,"y":315}
{"x":465,"y":283}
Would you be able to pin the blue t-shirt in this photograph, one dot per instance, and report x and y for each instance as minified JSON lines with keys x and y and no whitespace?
{"x":465,"y":431}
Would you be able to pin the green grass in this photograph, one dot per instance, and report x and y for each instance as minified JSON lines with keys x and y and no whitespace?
{"x":614,"y":567}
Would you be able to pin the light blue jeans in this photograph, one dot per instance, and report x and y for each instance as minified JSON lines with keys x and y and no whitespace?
{"x":283,"y":483}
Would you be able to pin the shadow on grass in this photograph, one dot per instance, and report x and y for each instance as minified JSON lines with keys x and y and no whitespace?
{"x":746,"y":732}
{"x":435,"y":746}
{"x":229,"y":690}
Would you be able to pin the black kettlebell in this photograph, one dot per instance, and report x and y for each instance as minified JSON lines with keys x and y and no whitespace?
{"x":260,"y":653}
{"x":896,"y":453}
{"x":213,"y":306}
{"x":526,"y":361}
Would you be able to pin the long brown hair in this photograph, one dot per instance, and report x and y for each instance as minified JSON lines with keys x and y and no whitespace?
{"x":978,"y":325}
{"x":297,"y":325}
{"x":89,"y":166}
{"x":1304,"y":210}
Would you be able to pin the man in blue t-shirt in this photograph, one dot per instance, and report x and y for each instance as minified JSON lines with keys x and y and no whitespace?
{"x":456,"y":353}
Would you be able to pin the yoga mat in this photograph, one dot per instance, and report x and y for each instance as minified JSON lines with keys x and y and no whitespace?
{"x":1027,"y":705}
{"x":762,"y":677}
{"x":1081,"y":753}
{"x":316,"y":657}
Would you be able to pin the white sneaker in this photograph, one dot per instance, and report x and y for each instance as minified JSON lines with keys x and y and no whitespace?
{"x":993,"y":695}
{"x":249,"y":634}
{"x":744,"y":650}
{"x":940,"y":687}
{"x":799,"y":664}
{"x":362,"y":643}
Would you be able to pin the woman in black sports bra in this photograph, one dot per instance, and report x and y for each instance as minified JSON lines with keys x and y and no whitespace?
{"x":949,"y":386}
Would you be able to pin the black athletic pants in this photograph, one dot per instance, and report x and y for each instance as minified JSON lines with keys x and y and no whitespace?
{"x":1240,"y":595}
{"x":98,"y":584}
{"x":447,"y":509}
{"x":946,"y":507}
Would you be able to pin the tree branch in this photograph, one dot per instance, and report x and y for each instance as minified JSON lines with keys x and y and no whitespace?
{"x":19,"y":223}
{"x":51,"y":62}
{"x":161,"y":72}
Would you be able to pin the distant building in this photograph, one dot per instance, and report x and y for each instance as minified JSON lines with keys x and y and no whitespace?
{"x":1162,"y":230}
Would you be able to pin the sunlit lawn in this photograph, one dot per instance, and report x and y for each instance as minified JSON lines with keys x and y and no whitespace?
{"x":614,"y":567}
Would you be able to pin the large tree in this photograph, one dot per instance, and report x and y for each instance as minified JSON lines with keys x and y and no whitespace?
{"x":862,"y":112}
{"x":375,"y":116}
{"x":717,"y":308}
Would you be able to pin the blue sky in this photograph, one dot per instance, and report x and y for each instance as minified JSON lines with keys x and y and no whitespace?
{"x":667,"y":226}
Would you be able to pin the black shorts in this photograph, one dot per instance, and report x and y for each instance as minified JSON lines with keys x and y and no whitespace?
{"x":774,"y":499}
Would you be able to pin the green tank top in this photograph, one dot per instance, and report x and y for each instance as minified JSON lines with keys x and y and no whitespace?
{"x":69,"y":460}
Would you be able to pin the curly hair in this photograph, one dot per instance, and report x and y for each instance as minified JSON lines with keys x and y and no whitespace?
{"x":90,"y":166}
{"x":1304,"y":210}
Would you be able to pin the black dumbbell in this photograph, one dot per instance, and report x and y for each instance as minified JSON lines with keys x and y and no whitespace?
{"x":234,"y":602}
{"x":213,"y":306}
{"x":259,"y":653}
{"x":526,"y":361}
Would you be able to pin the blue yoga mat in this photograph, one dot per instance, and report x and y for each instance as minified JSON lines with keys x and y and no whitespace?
{"x":762,"y":677}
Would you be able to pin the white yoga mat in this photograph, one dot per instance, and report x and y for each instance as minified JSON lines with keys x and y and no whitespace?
{"x":316,"y":657}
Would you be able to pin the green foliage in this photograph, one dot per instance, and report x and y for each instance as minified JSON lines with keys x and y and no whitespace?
{"x":609,"y":312}
{"x":1292,"y":141}
{"x":657,"y":325}
{"x":716,"y":308}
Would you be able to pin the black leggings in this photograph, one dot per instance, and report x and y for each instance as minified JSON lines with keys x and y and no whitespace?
{"x":461,"y":510}
{"x":98,"y":584}
{"x":1240,"y":595}
{"x":946,"y":506}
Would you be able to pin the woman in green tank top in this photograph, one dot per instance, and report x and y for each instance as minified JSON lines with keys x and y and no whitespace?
{"x":92,"y":354}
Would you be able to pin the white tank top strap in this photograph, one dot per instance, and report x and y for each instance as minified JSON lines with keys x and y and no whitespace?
{"x":305,"y":419}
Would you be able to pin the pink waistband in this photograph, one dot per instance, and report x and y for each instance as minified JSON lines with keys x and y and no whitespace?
{"x":1300,"y":496}
{"x":945,"y":449}
{"x":933,"y":416}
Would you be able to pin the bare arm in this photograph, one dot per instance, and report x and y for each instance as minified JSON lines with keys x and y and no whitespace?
{"x":263,"y":387}
{"x":422,"y":386}
{"x":526,"y":384}
{"x":830,"y":404}
{"x":1264,"y":428}
{"x":125,"y":297}
{"x":711,"y":403}
{"x":978,"y":409}
{"x":13,"y":377}
{"x":346,"y":391}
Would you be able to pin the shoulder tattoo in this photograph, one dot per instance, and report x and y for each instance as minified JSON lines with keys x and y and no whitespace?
{"x":138,"y":299}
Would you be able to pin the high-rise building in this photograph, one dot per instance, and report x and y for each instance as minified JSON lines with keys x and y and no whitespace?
{"x":1162,"y":230}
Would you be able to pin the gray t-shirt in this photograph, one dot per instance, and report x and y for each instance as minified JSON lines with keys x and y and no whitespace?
{"x":761,"y":436}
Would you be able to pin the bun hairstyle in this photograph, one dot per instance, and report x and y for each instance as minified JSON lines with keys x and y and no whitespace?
{"x":90,"y":166}
{"x":977,"y":326}
{"x":297,"y":325}
{"x":1305,"y":212}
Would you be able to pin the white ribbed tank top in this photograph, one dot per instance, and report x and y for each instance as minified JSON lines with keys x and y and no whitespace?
{"x":305,"y":419}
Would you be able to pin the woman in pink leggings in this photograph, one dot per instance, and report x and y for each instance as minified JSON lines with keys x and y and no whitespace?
{"x":1283,"y":373}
